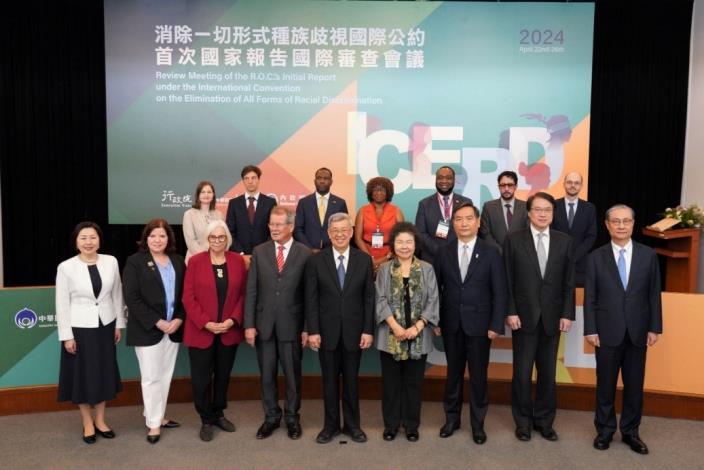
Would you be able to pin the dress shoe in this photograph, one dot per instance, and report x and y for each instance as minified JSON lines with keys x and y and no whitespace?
{"x":206,"y":432}
{"x":547,"y":432}
{"x":109,"y":434}
{"x":170,"y":424}
{"x":389,"y":434}
{"x":225,"y":424}
{"x":357,"y":435}
{"x":448,"y":429}
{"x":523,"y":433}
{"x":413,"y":435}
{"x":635,"y":443}
{"x":294,"y":430}
{"x":266,"y":429}
{"x":326,"y":435}
{"x":89,"y":439}
{"x":478,"y":436}
{"x":601,"y":441}
{"x":153,"y":438}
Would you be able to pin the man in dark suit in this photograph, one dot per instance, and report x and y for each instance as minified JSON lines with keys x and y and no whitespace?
{"x":622,"y":317}
{"x":434,"y":215}
{"x":248,"y":214}
{"x":314,"y":210}
{"x":274,"y":317}
{"x":472,"y":284}
{"x":503,"y":215}
{"x":340,"y":320}
{"x":577,"y":218}
{"x":540,"y":272}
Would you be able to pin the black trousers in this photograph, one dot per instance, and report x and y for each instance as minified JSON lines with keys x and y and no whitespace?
{"x":333,"y":364}
{"x":473,"y":351}
{"x":270,"y":354}
{"x":210,"y":378}
{"x":630,"y":360}
{"x":402,"y":391}
{"x":539,"y":349}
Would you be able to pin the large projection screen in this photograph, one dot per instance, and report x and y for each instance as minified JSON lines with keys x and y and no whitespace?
{"x":198,"y":89}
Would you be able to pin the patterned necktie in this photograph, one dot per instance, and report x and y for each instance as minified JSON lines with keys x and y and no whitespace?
{"x":622,"y":267}
{"x":464,"y":262}
{"x":570,"y":215}
{"x":321,"y":211}
{"x":341,"y":271}
{"x":542,"y":256}
{"x":280,"y":258}
{"x":509,"y":216}
{"x":250,"y":209}
{"x":446,"y":206}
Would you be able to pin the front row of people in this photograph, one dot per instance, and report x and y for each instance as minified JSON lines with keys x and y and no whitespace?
{"x":329,"y":301}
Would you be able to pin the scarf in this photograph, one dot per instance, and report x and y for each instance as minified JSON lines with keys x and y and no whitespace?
{"x":401,"y":349}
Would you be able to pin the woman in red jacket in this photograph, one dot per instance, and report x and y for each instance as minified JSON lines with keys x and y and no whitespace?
{"x":213,"y":296}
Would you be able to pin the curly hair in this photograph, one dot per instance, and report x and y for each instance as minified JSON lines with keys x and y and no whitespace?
{"x":380,"y":181}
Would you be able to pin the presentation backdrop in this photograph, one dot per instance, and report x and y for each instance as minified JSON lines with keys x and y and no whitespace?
{"x":29,"y":348}
{"x":197,"y":90}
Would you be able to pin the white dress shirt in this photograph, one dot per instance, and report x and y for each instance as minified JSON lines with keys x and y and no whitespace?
{"x":470,"y":249}
{"x":287,"y":248}
{"x":345,"y":260}
{"x":628,"y":255}
{"x":254,"y":195}
{"x":546,"y":239}
{"x":567,"y":206}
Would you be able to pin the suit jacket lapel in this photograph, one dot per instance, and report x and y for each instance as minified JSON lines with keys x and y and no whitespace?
{"x":292,"y":254}
{"x":455,"y":261}
{"x":329,"y":210}
{"x":154,"y":268}
{"x":474,"y":259}
{"x":636,"y":265}
{"x":329,"y":261}
{"x":529,"y":247}
{"x":258,"y":210}
{"x":611,"y":265}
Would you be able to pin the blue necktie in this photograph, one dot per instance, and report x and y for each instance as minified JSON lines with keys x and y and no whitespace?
{"x":341,"y":271}
{"x":622,"y":267}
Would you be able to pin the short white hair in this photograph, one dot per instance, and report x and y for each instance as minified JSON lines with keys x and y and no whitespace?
{"x":340,"y":216}
{"x":620,"y":206}
{"x":219,"y":224}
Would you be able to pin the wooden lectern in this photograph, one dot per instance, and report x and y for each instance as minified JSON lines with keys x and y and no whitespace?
{"x":682,"y":253}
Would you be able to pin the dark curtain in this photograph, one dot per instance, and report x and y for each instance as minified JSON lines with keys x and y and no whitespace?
{"x":53,"y":131}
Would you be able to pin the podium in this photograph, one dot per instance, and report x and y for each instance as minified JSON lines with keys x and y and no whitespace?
{"x":682,"y":253}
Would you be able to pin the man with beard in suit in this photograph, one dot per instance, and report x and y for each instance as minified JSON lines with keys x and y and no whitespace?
{"x":434,"y":215}
{"x":577,"y":218}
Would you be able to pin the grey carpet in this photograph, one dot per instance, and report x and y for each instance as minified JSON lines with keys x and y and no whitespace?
{"x":53,"y":440}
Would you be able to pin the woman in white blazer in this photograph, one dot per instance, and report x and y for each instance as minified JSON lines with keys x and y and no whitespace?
{"x":90,"y":315}
{"x":197,"y":218}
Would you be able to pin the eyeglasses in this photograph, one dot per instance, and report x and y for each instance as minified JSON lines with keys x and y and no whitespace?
{"x":217,"y":238}
{"x":339,"y":231}
{"x":507,"y":185}
{"x":625,"y":222}
{"x":541,"y":210}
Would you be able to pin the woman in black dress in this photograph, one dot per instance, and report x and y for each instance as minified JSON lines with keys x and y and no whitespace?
{"x":90,"y":315}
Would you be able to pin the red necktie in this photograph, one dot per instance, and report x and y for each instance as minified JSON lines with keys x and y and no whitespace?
{"x":250,"y":209}
{"x":280,"y":258}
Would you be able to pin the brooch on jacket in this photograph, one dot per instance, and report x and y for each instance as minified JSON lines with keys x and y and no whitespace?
{"x":151,"y":265}
{"x":220,"y":272}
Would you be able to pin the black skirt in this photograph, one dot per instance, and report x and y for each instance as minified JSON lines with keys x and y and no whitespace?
{"x":90,"y":376}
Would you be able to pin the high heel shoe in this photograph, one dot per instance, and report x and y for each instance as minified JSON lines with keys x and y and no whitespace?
{"x":153,"y":439}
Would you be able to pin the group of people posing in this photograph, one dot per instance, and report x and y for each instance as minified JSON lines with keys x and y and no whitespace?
{"x":282,"y":280}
